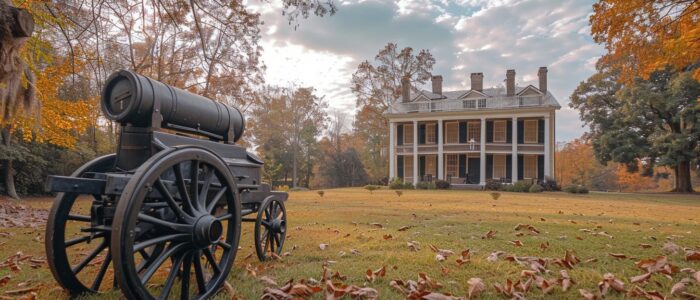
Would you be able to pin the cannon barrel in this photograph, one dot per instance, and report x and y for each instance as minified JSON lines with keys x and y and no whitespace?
{"x":130,"y":98}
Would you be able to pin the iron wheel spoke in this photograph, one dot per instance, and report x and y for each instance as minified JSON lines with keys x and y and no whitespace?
{"x":224,"y":245}
{"x":81,"y":218}
{"x":211,"y":174}
{"x":161,"y":239}
{"x":216,"y":199}
{"x":81,"y":239}
{"x":182,"y":188}
{"x":277,"y":240}
{"x":166,"y":224}
{"x":155,"y":264}
{"x":90,"y":257}
{"x":212,"y":261}
{"x":185,"y":279}
{"x":163,"y":190}
{"x":168,"y":285}
{"x":224,"y":217}
{"x":199,"y":273}
{"x":101,"y":274}
{"x":194,"y":184}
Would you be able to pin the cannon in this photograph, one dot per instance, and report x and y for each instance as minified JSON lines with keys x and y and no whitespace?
{"x":161,"y":217}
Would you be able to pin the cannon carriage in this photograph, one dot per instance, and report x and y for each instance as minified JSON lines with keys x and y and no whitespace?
{"x":162,"y":216}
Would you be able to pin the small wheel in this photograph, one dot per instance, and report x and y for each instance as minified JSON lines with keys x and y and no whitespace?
{"x":187,"y":200}
{"x":270,"y":228}
{"x":78,"y":252}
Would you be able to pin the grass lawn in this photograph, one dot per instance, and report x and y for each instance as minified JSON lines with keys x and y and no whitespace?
{"x":454,"y":220}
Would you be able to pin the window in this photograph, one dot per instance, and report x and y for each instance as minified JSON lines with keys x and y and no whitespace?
{"x":473,"y":131}
{"x":430,"y":133}
{"x":499,"y":131}
{"x":531,"y":131}
{"x":408,"y":166}
{"x":530,"y":167}
{"x":499,"y":166}
{"x":451,"y":133}
{"x":430,"y":165}
{"x":408,"y":134}
{"x":452,"y":165}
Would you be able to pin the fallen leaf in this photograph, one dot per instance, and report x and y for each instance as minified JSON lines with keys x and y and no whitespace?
{"x":692,"y":255}
{"x":365,"y":293}
{"x":618,"y":255}
{"x":494,"y":256}
{"x":680,"y":287}
{"x":645,"y":246}
{"x":517,"y":243}
{"x":323,"y":246}
{"x":640,"y":278}
{"x":378,"y":225}
{"x":588,"y":295}
{"x":609,"y":281}
{"x":388,"y":237}
{"x":464,"y":257}
{"x":670,"y":248}
{"x":476,"y":287}
{"x":413,"y":245}
{"x":489,"y":235}
{"x":4,"y":280}
{"x":404,"y":228}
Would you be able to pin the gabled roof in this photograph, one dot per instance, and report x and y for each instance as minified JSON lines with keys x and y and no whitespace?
{"x":529,"y":88}
{"x":476,"y":93}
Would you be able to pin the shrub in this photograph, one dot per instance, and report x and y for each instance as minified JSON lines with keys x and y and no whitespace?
{"x":442,"y":185}
{"x":424,"y":185}
{"x":298,"y":189}
{"x":550,"y":185}
{"x":493,"y":185}
{"x":371,"y":188}
{"x":521,"y":186}
{"x":576,"y":189}
{"x":536,"y":188}
{"x":321,"y":193}
{"x":398,"y":184}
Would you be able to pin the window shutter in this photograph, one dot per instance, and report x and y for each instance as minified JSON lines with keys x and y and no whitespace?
{"x":489,"y":132}
{"x":462,"y":132}
{"x":540,"y":134}
{"x":489,"y":166}
{"x":540,"y":167}
{"x":509,"y":131}
{"x":521,"y":166}
{"x":399,"y":134}
{"x":462,"y":165}
{"x":509,"y":166}
{"x":399,"y":166}
{"x":421,"y":166}
{"x":521,"y":132}
{"x":421,"y":134}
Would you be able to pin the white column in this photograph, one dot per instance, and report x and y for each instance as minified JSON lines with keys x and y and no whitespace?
{"x":514,"y":154}
{"x":392,"y":148}
{"x":547,"y":148}
{"x":482,"y":153}
{"x":415,"y":152}
{"x":440,"y":158}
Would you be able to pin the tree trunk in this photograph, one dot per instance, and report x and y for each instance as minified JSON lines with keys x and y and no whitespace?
{"x":683,"y":184}
{"x":9,"y":170}
{"x":294,"y":164}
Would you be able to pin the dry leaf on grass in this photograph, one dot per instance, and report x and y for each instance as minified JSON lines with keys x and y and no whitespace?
{"x":494,"y":256}
{"x":372,"y":275}
{"x":645,"y":246}
{"x":679,"y":288}
{"x":413,"y":245}
{"x":508,"y":290}
{"x":640,"y":278}
{"x":569,"y":260}
{"x":618,"y":255}
{"x":658,"y":265}
{"x":692,"y":255}
{"x":388,"y":237}
{"x":323,"y":246}
{"x":651,"y":295}
{"x":697,"y":276}
{"x":610,"y":282}
{"x":476,"y":287}
{"x":517,"y":243}
{"x":544,"y":246}
{"x":4,"y":280}
{"x":404,"y":228}
{"x":464,"y":257}
{"x":378,"y":225}
{"x":565,"y":281}
{"x":588,"y":295}
{"x":489,"y":235}
{"x":670,"y":248}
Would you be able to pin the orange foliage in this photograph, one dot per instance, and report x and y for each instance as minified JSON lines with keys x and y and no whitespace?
{"x":59,"y":122}
{"x":576,"y":163}
{"x":642,"y":36}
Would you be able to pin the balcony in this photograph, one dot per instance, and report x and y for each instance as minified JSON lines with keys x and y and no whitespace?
{"x":473,"y":104}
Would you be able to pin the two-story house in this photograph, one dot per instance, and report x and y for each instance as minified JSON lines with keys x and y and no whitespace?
{"x":470,"y":136}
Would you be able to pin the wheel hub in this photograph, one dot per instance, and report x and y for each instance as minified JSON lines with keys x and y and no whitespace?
{"x":279,"y":226}
{"x":207,"y":231}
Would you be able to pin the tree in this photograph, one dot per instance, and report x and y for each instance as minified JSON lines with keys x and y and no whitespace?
{"x":377,"y":85}
{"x":285,"y":125}
{"x":655,"y":120}
{"x":643,"y":36}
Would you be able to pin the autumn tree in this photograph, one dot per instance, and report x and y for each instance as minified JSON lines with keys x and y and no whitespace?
{"x":655,"y":120}
{"x":341,"y":164}
{"x":643,"y":36}
{"x":285,"y":125}
{"x":377,"y":85}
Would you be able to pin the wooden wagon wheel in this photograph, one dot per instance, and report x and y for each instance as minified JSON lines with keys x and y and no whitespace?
{"x":186,"y":198}
{"x":90,"y":240}
{"x":270,"y":228}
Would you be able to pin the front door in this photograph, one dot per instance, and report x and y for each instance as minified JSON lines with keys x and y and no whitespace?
{"x":474,"y":166}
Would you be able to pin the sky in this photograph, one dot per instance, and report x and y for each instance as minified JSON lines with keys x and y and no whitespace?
{"x":464,"y":36}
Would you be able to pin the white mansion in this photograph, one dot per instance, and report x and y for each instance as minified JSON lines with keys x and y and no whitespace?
{"x":470,"y":136}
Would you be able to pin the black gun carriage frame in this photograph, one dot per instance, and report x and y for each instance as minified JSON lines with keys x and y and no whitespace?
{"x":164,"y":202}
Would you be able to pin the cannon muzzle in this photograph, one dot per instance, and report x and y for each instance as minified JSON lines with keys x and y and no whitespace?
{"x":130,"y":98}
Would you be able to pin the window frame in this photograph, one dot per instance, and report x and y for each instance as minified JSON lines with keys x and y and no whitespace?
{"x":454,"y":167}
{"x":408,"y":166}
{"x":408,"y":140}
{"x":478,"y":131}
{"x":456,"y":132}
{"x":528,"y":124}
{"x":530,"y":166}
{"x":503,"y":168}
{"x":430,"y":131}
{"x":505,"y":131}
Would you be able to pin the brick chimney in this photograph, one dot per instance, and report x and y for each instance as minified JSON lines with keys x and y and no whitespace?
{"x":437,"y":84}
{"x":477,"y":82}
{"x":405,"y":89}
{"x":510,"y":82}
{"x":542,"y":74}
